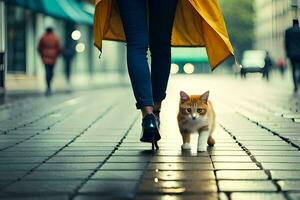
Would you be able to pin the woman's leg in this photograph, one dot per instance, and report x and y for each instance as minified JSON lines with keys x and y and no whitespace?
{"x":134,"y":17}
{"x":161,"y":19}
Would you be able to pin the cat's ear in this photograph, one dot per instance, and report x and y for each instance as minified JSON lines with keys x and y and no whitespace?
{"x":184,"y":96}
{"x":204,"y":97}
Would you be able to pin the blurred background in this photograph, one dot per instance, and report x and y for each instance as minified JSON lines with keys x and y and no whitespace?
{"x":255,"y":26}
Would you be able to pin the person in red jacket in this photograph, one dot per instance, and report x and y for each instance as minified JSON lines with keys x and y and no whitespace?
{"x":49,"y":49}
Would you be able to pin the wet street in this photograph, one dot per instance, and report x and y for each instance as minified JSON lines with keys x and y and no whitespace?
{"x":85,"y":145}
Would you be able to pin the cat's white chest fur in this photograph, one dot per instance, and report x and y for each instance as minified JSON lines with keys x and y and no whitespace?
{"x":193,"y":125}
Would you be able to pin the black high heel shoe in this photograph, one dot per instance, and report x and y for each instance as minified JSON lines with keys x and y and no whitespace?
{"x":150,"y":131}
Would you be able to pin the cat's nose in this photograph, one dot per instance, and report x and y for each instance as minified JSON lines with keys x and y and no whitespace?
{"x":193,"y":118}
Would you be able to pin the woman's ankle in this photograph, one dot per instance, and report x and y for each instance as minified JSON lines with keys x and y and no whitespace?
{"x":157,"y":106}
{"x":147,"y":110}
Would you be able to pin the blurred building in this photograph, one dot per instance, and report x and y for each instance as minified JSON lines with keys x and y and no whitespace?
{"x":273,"y":17}
{"x":23,"y":22}
{"x":189,"y":60}
{"x":2,"y":47}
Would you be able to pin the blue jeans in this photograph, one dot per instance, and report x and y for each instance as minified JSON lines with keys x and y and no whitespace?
{"x":142,"y":33}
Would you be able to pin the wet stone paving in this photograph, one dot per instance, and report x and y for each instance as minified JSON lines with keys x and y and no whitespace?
{"x":85,"y":145}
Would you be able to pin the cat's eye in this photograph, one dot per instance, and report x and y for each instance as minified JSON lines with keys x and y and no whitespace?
{"x":199,"y":110}
{"x":188,"y":110}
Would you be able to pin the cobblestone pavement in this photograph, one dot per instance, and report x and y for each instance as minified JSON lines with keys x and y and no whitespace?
{"x":85,"y":145}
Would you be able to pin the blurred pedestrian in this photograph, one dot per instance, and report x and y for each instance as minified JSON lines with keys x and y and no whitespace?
{"x":68,"y":55}
{"x":158,"y":24}
{"x":236,"y":68}
{"x":281,"y":66}
{"x":268,"y":65}
{"x":292,"y":48}
{"x":49,"y":49}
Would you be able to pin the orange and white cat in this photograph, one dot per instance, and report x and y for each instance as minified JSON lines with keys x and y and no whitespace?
{"x":196,"y":115}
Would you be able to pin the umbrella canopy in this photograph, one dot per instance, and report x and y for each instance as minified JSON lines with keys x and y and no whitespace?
{"x":70,"y":10}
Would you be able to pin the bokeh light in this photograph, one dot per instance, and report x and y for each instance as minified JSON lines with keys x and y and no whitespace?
{"x":76,"y":35}
{"x":174,"y":68}
{"x":188,"y":68}
{"x":80,"y":47}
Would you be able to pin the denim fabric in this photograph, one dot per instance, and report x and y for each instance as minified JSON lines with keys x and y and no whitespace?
{"x":148,"y":87}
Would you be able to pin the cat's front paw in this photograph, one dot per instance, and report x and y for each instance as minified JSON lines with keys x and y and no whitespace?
{"x":201,"y":149}
{"x":186,"y":146}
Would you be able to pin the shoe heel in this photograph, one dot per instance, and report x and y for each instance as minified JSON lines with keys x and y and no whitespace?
{"x":154,"y":144}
